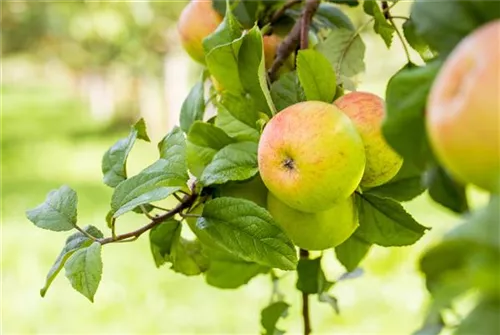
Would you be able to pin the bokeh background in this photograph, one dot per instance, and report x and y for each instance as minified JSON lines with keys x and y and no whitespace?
{"x":75,"y":76}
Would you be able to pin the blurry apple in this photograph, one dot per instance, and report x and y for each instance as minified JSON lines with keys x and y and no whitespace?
{"x":310,"y":156}
{"x":198,"y":20}
{"x":316,"y":231}
{"x":463,"y":110}
{"x":367,"y":111}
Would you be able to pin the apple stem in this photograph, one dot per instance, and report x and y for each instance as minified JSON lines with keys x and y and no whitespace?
{"x":304,"y":254}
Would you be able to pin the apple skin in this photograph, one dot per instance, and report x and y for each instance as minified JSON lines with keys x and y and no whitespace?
{"x":367,"y":111}
{"x":197,"y":20}
{"x":316,"y":231}
{"x":310,"y":156}
{"x":463,"y":110}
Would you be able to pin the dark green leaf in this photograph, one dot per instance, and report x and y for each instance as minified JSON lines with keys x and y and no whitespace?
{"x":483,"y":320}
{"x":381,"y":26}
{"x":187,"y":257}
{"x":247,"y":231}
{"x":252,"y":71}
{"x":352,"y":252}
{"x":432,"y":20}
{"x":346,"y":51}
{"x":204,"y":141}
{"x":229,"y":30}
{"x":286,"y":91}
{"x":115,"y":159}
{"x":405,"y":186}
{"x":58,"y":212}
{"x":73,"y":243}
{"x":235,"y":162}
{"x":384,"y":221}
{"x":270,"y":316}
{"x":245,"y":11}
{"x":228,"y":272}
{"x":332,"y":17}
{"x":416,"y":41}
{"x":316,"y":75}
{"x":404,"y":125}
{"x":350,"y":3}
{"x":311,"y":278}
{"x":446,"y":191}
{"x":84,"y":270}
{"x":193,"y":107}
{"x":161,"y":239}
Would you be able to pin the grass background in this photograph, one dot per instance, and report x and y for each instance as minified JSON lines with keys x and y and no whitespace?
{"x":48,"y":139}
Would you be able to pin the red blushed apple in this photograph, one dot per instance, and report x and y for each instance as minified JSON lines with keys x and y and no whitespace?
{"x":366,"y":111}
{"x":198,"y":20}
{"x":463,"y":110}
{"x":311,"y":156}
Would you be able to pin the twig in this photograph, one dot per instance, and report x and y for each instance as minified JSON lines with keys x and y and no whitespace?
{"x":160,"y":208}
{"x":280,"y":12}
{"x":291,"y":41}
{"x":186,"y":202}
{"x":304,"y":254}
{"x":389,"y":17}
{"x":309,"y":10}
{"x":177,"y":197}
{"x":145,"y":212}
{"x":85,"y":233}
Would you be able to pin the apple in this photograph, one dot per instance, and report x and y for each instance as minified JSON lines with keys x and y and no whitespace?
{"x":310,"y":156}
{"x":316,"y":231}
{"x":463,"y":110}
{"x":197,"y":20}
{"x":367,"y":111}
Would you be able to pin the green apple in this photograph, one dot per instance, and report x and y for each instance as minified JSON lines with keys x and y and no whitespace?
{"x":198,"y":20}
{"x":367,"y":111}
{"x":316,"y":231}
{"x":311,"y":156}
{"x":463,"y":110}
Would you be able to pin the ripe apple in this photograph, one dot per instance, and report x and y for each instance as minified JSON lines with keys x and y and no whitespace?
{"x":198,"y":20}
{"x":316,"y":231}
{"x":463,"y":110}
{"x":367,"y":111}
{"x":310,"y":156}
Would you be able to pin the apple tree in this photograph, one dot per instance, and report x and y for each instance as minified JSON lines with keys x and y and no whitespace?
{"x":277,"y":157}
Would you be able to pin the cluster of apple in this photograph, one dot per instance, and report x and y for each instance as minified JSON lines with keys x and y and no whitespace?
{"x":313,"y":156}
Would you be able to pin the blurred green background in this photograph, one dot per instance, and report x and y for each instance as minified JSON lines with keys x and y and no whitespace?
{"x":74,"y":77}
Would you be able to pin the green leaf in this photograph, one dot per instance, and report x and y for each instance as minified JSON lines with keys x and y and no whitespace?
{"x":235,"y":162}
{"x":247,"y":231}
{"x":222,"y":62}
{"x":446,"y":191}
{"x":432,"y":22}
{"x":241,"y":106}
{"x":330,"y":300}
{"x":73,"y":243}
{"x":245,"y":11}
{"x":270,"y":316}
{"x":352,"y":252}
{"x":404,"y":125}
{"x":229,"y":30}
{"x":332,"y":17}
{"x":187,"y":257}
{"x":252,"y":72}
{"x":381,"y":26}
{"x":482,"y":320}
{"x":58,"y":212}
{"x":235,"y":127}
{"x":161,"y":239}
{"x":311,"y":278}
{"x":405,"y":186}
{"x":286,"y":91}
{"x":84,"y":270}
{"x":204,"y":141}
{"x":416,"y":41}
{"x":193,"y":107}
{"x":316,"y":75}
{"x":345,"y":50}
{"x":228,"y":272}
{"x":173,"y":153}
{"x":384,"y":221}
{"x":115,"y":159}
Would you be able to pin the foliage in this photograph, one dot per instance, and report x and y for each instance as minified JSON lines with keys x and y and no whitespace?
{"x":237,"y":239}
